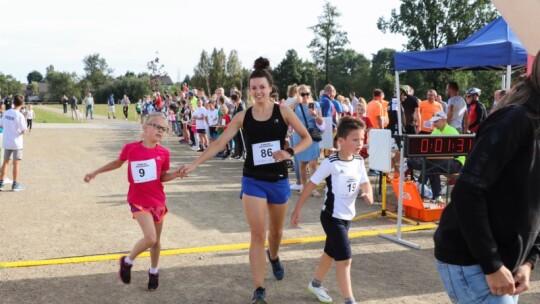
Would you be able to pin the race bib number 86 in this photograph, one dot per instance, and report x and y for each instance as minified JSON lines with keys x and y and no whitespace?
{"x":262,"y":152}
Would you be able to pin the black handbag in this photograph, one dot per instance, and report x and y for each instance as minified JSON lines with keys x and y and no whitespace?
{"x":315,"y":133}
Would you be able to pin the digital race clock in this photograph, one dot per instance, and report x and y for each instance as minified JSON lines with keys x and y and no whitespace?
{"x":437,"y":145}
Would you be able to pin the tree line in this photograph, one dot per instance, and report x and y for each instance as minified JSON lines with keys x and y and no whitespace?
{"x":428,"y":24}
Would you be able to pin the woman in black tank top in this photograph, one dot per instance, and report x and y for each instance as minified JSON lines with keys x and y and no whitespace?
{"x":264,"y":126}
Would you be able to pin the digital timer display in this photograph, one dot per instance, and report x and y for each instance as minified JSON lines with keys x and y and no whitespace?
{"x":438,"y":145}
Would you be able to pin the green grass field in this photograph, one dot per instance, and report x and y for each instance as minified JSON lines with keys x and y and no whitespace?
{"x":44,"y":116}
{"x":101,"y":109}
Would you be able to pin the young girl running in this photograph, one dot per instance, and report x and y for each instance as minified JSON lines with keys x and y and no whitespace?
{"x":345,"y":175}
{"x":148,"y":163}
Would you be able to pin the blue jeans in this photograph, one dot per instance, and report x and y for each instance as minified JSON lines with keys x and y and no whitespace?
{"x":90,"y":109}
{"x":467,"y":284}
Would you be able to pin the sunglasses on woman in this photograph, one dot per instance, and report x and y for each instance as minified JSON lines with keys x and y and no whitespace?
{"x":305,"y":94}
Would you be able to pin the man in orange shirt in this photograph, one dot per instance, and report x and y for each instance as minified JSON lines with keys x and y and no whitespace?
{"x":374,"y":110}
{"x":427,"y":109}
{"x":385,"y":103}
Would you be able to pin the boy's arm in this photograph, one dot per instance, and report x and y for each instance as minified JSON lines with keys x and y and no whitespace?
{"x":306,"y":192}
{"x":115,"y":164}
{"x":367,"y":193}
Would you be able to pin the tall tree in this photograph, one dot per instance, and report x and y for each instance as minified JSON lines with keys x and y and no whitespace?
{"x":310,"y":75}
{"x":382,"y":72}
{"x":218,"y":62}
{"x":48,"y":72}
{"x":97,"y":70}
{"x":61,"y":83}
{"x":9,"y":85}
{"x":33,"y":88}
{"x":329,"y":39}
{"x":233,"y":71}
{"x":34,"y":76}
{"x":132,"y":86}
{"x":245,"y":83}
{"x":201,"y":73}
{"x":431,"y":24}
{"x":155,"y":69}
{"x":187,"y":80}
{"x":349,"y":71}
{"x":288,"y":71}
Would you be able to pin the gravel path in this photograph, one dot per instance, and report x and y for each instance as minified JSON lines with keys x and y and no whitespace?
{"x":58,"y":215}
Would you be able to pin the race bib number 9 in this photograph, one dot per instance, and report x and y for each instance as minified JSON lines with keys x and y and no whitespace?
{"x":348,"y":186}
{"x":262,"y":152}
{"x":144,"y":171}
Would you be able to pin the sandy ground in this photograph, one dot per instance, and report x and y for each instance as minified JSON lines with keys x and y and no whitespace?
{"x":58,"y":216}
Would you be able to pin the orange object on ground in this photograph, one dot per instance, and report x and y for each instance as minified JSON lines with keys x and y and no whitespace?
{"x":413,"y":204}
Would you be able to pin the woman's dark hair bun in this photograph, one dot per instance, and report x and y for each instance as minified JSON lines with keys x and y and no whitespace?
{"x":261,"y":64}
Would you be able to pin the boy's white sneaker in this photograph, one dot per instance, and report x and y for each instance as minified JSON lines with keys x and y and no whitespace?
{"x":320,"y":293}
{"x":297,"y":187}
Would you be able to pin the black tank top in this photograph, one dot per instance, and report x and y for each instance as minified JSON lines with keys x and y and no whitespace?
{"x":262,"y":138}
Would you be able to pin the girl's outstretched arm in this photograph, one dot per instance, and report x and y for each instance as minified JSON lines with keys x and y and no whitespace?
{"x":168,"y":176}
{"x":115,"y":164}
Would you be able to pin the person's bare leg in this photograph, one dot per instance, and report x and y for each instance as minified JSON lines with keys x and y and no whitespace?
{"x":325,"y":262}
{"x":146,"y":222}
{"x":155,"y":250}
{"x":4,"y":169}
{"x":276,"y":215}
{"x":343,"y":274}
{"x":303,"y":173}
{"x":16,"y":169}
{"x":255,"y":212}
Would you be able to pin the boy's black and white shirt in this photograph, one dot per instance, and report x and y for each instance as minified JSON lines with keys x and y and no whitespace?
{"x":343,"y":179}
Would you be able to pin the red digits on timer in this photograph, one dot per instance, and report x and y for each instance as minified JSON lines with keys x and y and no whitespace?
{"x":460,"y":145}
{"x":424,"y":145}
{"x":438,"y":145}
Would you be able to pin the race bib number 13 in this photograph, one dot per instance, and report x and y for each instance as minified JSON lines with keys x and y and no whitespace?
{"x":262,"y":152}
{"x":144,"y":171}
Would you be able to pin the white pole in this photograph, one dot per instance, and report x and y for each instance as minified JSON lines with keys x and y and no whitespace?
{"x":503,"y":81}
{"x":401,"y":178}
{"x":401,"y":157}
{"x":508,"y":73}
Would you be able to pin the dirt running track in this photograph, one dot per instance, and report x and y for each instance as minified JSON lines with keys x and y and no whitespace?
{"x":59,"y":216}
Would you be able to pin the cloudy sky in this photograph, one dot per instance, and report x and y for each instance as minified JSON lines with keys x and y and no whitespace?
{"x":36,"y":34}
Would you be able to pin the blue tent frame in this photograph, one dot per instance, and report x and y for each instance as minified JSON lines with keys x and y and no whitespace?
{"x":495,"y":46}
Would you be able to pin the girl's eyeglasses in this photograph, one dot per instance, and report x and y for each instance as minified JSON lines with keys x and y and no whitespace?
{"x":305,"y":94}
{"x":159,"y":128}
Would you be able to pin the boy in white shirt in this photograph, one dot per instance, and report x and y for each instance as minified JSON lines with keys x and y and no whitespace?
{"x":345,"y":176}
{"x":14,"y":127}
{"x":201,"y":120}
{"x":212,"y":121}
